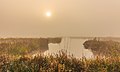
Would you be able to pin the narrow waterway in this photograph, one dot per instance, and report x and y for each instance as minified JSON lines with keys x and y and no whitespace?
{"x":73,"y":46}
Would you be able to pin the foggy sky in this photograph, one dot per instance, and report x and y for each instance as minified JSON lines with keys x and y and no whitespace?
{"x":26,"y":18}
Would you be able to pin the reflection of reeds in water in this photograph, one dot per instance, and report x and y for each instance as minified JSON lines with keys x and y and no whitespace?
{"x":59,"y":63}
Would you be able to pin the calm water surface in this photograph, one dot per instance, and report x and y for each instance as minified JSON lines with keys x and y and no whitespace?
{"x":73,"y":46}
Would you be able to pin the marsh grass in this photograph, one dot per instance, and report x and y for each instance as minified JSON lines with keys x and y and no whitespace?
{"x":58,"y":63}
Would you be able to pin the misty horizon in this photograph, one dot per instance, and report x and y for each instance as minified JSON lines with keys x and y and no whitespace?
{"x":68,"y":18}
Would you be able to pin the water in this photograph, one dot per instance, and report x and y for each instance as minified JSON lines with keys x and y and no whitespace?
{"x":73,"y":46}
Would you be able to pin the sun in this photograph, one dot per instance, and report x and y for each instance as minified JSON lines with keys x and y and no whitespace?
{"x":48,"y":14}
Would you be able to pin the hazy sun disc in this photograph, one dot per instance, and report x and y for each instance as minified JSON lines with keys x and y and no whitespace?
{"x":48,"y":14}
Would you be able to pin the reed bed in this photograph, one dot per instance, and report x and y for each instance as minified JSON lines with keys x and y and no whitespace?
{"x":58,"y":63}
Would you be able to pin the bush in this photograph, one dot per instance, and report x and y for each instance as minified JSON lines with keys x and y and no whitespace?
{"x":59,"y":63}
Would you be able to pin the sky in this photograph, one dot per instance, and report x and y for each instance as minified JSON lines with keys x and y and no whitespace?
{"x":26,"y":18}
